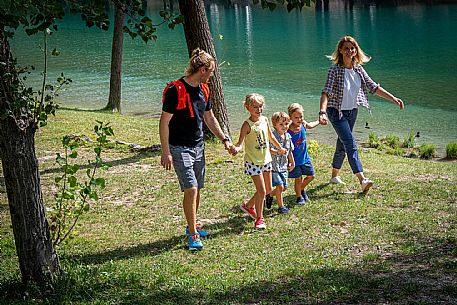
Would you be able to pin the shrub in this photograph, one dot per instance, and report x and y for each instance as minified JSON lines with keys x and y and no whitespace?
{"x":451,"y":150}
{"x":395,"y":151}
{"x":74,"y":196}
{"x":393,"y":141}
{"x":427,"y":151}
{"x":409,"y":141}
{"x":373,"y":140}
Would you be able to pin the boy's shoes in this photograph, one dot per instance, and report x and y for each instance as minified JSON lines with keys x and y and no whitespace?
{"x":366,"y":185}
{"x":194,"y":242}
{"x":300,"y":200}
{"x":283,"y":210}
{"x":268,"y":201}
{"x":260,"y":224}
{"x":337,"y":180}
{"x":199,"y":230}
{"x":251,"y":211}
{"x":304,"y":195}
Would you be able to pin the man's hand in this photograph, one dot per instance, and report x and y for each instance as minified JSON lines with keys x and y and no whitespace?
{"x":166,"y":160}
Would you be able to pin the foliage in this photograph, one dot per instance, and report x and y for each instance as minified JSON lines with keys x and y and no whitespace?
{"x":396,"y":151}
{"x":409,"y":140}
{"x":374,"y":141}
{"x":392,"y":141}
{"x":290,"y":4}
{"x":74,"y":197}
{"x":427,"y":151}
{"x":28,"y":106}
{"x":451,"y":150}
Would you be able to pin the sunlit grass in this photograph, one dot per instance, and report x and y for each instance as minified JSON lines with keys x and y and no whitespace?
{"x":394,"y":245}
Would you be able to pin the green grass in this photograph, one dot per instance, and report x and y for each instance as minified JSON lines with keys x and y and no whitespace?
{"x":395,"y":245}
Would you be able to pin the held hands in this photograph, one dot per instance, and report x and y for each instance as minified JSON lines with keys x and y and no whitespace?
{"x":235,"y":149}
{"x":290,"y":166}
{"x":323,"y":119}
{"x":230,"y":148}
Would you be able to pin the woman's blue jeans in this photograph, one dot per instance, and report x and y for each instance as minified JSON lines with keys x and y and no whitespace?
{"x":346,"y":142}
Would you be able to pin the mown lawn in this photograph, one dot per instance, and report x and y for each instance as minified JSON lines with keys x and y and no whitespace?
{"x":395,"y":245}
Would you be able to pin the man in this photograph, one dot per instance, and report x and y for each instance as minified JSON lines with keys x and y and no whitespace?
{"x":186,"y":104}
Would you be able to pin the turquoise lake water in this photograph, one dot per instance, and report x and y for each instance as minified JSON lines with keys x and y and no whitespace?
{"x":282,"y":56}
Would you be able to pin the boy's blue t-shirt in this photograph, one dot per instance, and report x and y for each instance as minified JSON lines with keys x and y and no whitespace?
{"x":300,"y":151}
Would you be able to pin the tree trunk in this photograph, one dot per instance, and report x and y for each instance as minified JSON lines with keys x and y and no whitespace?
{"x":198,"y":35}
{"x":114,"y":100}
{"x":38,"y":260}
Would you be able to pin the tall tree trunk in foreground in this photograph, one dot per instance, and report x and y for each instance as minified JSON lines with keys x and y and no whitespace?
{"x":114,"y":100}
{"x":38,"y":260}
{"x":198,"y":35}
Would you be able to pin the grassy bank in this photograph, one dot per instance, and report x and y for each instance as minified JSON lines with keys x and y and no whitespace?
{"x":395,"y":245}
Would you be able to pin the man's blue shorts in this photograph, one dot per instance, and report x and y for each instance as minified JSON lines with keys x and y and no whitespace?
{"x":306,"y":169}
{"x":189,"y":165}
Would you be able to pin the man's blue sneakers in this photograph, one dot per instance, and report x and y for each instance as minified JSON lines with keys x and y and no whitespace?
{"x":194,"y":242}
{"x":202,"y":233}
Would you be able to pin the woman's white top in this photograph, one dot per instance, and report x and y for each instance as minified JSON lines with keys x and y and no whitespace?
{"x":352,"y":86}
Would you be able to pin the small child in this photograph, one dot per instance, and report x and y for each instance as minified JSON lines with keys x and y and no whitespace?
{"x":256,"y":134}
{"x":282,"y":163}
{"x":303,"y":165}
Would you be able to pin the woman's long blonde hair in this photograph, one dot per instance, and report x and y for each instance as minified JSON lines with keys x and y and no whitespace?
{"x":198,"y":59}
{"x":360,"y":58}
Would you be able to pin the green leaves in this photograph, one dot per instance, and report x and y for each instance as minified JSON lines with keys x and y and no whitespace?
{"x":76,"y":194}
{"x":290,"y":4}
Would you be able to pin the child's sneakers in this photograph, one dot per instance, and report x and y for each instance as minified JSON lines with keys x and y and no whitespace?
{"x":300,"y":200}
{"x":251,"y":211}
{"x":268,"y":201}
{"x":283,"y":210}
{"x":194,"y":242}
{"x":199,"y":230}
{"x":366,"y":185}
{"x":304,"y":195}
{"x":260,"y":224}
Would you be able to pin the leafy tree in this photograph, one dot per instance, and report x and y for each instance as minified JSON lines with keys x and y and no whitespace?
{"x":23,"y":110}
{"x":120,"y":10}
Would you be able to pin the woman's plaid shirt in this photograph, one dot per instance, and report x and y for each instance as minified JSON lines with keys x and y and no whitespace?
{"x":334,"y":87}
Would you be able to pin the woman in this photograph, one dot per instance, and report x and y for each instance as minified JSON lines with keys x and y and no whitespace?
{"x":346,"y":89}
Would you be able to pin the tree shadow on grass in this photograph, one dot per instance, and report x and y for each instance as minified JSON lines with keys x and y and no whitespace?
{"x":231,"y":226}
{"x":425,"y":276}
{"x":119,"y":162}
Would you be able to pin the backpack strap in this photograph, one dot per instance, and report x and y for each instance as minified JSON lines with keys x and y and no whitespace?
{"x":205,"y":89}
{"x":184,"y":97}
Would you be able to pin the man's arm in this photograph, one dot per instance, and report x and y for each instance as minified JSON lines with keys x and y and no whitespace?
{"x":215,"y":128}
{"x":164,"y":131}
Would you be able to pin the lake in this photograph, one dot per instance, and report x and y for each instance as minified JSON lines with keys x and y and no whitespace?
{"x":281,"y":56}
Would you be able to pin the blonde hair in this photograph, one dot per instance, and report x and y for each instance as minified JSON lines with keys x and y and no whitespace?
{"x":254,"y":98}
{"x":198,"y":59}
{"x":294,"y":107}
{"x":279,"y":116}
{"x":360,"y":58}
